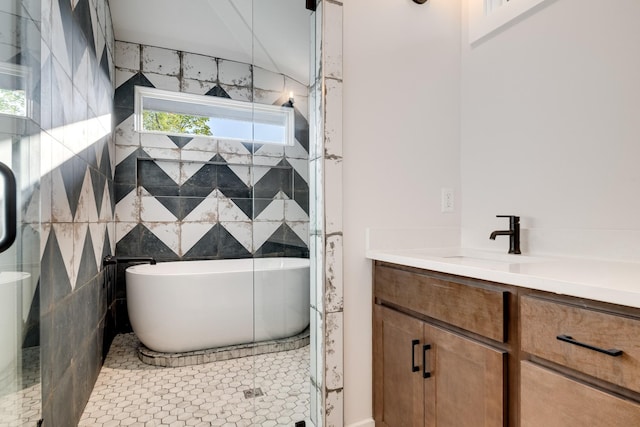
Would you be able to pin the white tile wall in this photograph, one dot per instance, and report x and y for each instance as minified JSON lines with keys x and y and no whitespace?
{"x":274,"y":212}
{"x":229,"y":212}
{"x":206,"y":212}
{"x":127,"y":55}
{"x":262,"y":231}
{"x":333,"y":274}
{"x":327,"y":221}
{"x":152,"y":210}
{"x":268,"y":80}
{"x":97,"y":231}
{"x":87,"y":210}
{"x":150,"y":140}
{"x":60,"y":209}
{"x":333,"y":196}
{"x":160,"y":61}
{"x":128,"y":209}
{"x":65,"y":236}
{"x":332,"y":41}
{"x":301,"y":228}
{"x":333,"y":119}
{"x":168,"y":233}
{"x":164,"y":82}
{"x":234,"y":73}
{"x":199,"y":67}
{"x":242,"y":231}
{"x":293,"y":212}
{"x":190,"y":234}
{"x":197,"y":87}
{"x":271,"y":150}
{"x":123,"y":75}
{"x":334,"y":412}
{"x":237,"y":92}
{"x":333,"y":345}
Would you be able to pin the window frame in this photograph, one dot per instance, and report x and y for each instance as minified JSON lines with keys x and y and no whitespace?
{"x":203,"y":101}
{"x":483,"y":20}
{"x":21,"y":74}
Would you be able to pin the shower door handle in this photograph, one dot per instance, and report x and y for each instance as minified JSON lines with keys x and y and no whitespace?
{"x":10,"y":206}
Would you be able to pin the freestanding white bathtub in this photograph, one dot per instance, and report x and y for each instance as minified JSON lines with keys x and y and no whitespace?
{"x":196,"y":305}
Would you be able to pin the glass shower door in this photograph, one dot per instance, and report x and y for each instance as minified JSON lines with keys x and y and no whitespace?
{"x":19,"y":219}
{"x":280,"y":195}
{"x":19,"y":272}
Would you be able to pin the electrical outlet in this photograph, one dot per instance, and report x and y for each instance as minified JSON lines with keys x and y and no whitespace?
{"x":447,"y":201}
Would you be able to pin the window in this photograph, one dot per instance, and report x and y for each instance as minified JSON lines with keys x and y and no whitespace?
{"x":13,"y":99}
{"x":486,"y":16}
{"x":182,"y":114}
{"x":491,"y":5}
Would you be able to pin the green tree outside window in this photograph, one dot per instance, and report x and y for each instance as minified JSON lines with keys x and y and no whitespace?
{"x":175,"y":123}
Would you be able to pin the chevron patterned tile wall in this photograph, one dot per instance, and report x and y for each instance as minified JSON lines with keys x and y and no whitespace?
{"x":199,"y":198}
{"x":76,"y":199}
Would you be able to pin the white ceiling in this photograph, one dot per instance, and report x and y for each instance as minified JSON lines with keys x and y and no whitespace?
{"x":222,"y":28}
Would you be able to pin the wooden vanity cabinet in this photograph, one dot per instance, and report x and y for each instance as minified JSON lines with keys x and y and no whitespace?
{"x":551,"y":399}
{"x":398,"y":382}
{"x":581,"y":365}
{"x":499,"y":355}
{"x":426,"y":374}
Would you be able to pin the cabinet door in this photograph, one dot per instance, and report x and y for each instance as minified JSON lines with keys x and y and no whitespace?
{"x":397,"y":365}
{"x":549,"y":399}
{"x":467,"y":382}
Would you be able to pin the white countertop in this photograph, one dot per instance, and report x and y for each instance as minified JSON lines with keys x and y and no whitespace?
{"x":600,"y":280}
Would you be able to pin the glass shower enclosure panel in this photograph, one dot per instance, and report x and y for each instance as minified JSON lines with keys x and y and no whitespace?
{"x":281,"y":51}
{"x":19,"y":216}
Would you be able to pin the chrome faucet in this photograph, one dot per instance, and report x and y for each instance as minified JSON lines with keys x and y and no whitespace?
{"x":513,"y":232}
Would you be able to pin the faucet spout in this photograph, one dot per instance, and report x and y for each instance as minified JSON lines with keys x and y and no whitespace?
{"x":513,"y":232}
{"x":496,"y":233}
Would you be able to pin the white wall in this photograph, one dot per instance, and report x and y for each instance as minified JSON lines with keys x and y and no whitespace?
{"x":401,"y":146}
{"x":550,"y":130}
{"x":538,"y":119}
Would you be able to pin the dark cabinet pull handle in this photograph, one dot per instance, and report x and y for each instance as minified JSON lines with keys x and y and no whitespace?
{"x":10,"y":205}
{"x":414,"y":368}
{"x":425,"y":374}
{"x":611,"y":352}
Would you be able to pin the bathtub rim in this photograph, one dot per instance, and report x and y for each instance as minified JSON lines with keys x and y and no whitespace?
{"x":164,"y":268}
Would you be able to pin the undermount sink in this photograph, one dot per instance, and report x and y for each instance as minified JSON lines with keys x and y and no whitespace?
{"x":505,"y":258}
{"x":478,"y":257}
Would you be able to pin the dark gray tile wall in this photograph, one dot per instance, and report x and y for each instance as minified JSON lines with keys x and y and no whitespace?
{"x":77,"y":200}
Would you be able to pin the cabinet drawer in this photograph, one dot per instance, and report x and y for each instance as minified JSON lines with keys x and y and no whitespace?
{"x":545,"y":324}
{"x":549,"y":399}
{"x":476,"y":309}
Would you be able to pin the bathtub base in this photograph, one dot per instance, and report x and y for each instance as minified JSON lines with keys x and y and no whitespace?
{"x":199,"y":357}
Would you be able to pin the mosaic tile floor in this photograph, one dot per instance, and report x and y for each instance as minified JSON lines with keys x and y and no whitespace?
{"x":22,"y":408}
{"x":131,"y":393}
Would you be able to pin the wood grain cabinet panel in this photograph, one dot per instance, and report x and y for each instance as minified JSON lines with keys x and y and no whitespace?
{"x":427,"y":376}
{"x":543,"y":321}
{"x":550,"y":399}
{"x":466,"y":387}
{"x":476,"y":309}
{"x":398,"y":386}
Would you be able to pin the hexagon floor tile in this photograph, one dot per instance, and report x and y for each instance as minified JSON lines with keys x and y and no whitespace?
{"x":21,"y":406}
{"x":131,"y":393}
